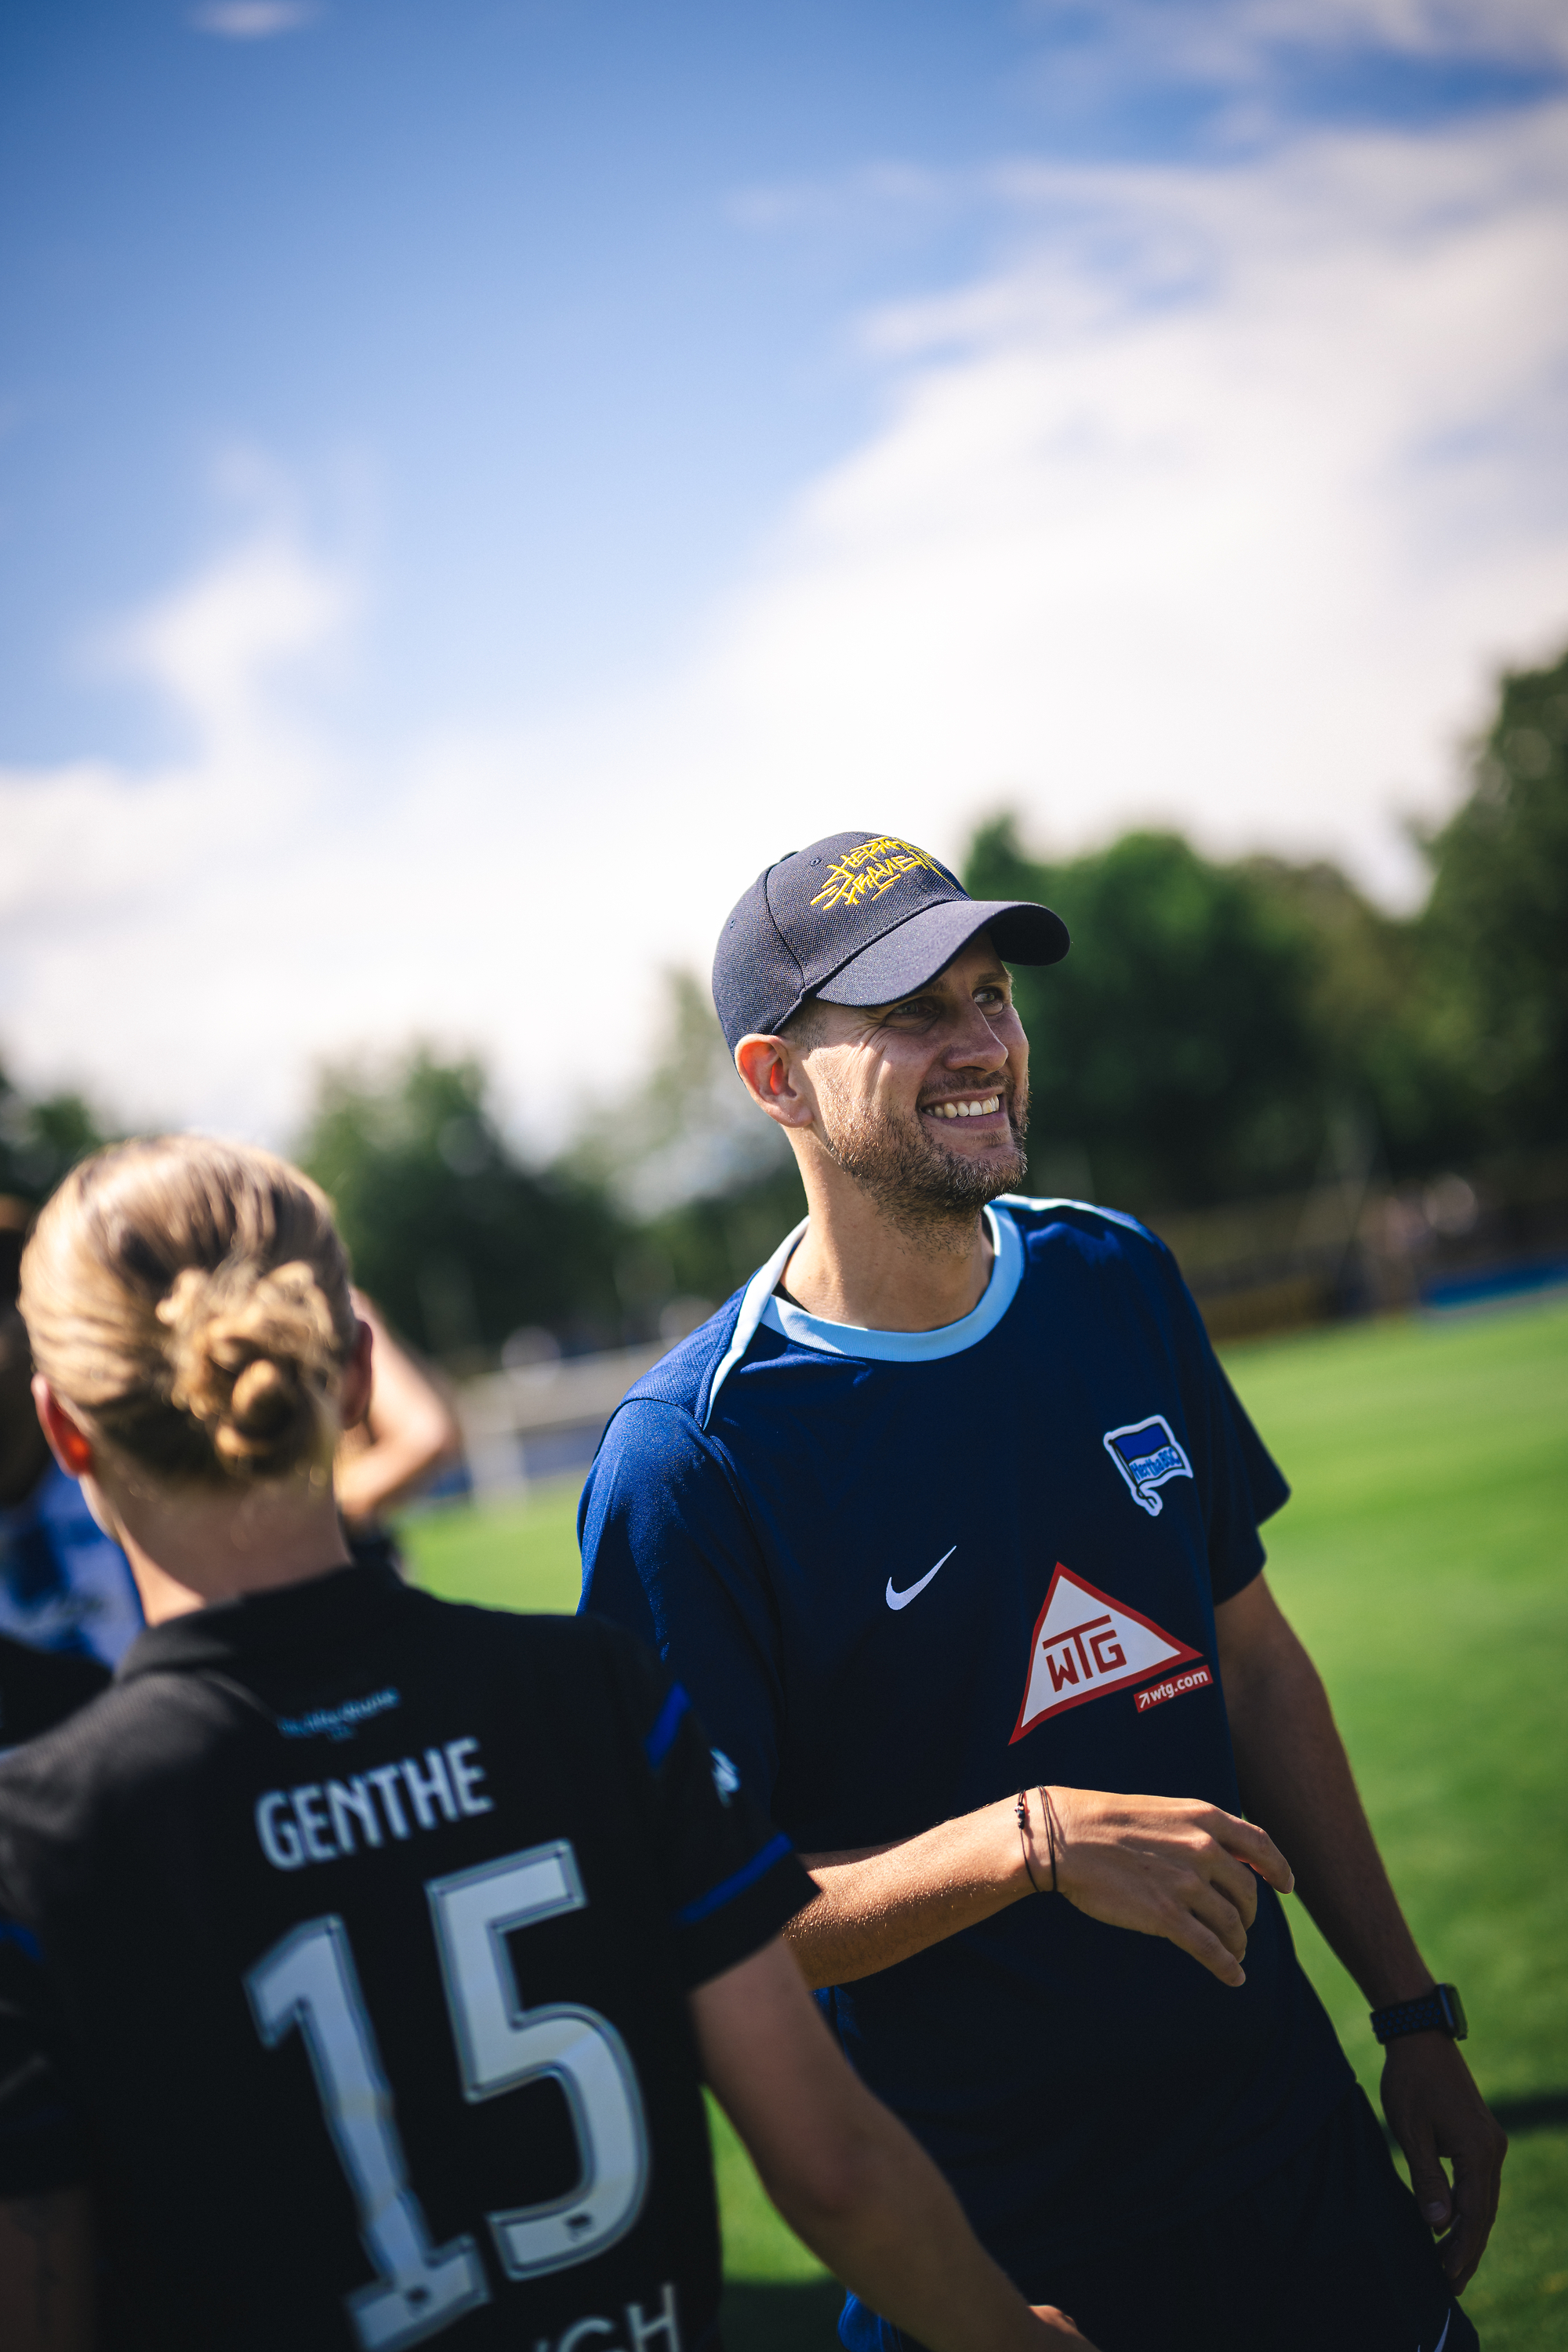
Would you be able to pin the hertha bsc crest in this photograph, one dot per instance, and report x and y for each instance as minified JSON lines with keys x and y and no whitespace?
{"x":1085,"y":1644}
{"x":1147,"y":1453}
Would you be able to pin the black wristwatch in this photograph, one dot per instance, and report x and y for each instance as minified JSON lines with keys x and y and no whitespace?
{"x":1438,"y":2012}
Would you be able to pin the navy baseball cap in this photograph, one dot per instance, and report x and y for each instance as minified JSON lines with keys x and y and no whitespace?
{"x":859,"y":918}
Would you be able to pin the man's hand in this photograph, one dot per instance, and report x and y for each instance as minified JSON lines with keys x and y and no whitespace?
{"x":1165,"y":1866}
{"x":1058,"y":2322}
{"x":1294,"y":1772}
{"x":46,"y":2269}
{"x":1433,"y":2111}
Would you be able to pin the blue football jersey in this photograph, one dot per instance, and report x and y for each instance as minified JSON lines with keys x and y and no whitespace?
{"x":904,"y":1574}
{"x":63,"y":1584}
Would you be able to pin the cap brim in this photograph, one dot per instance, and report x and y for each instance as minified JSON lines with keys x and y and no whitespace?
{"x":904,"y":960}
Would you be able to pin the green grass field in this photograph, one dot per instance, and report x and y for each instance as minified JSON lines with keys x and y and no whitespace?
{"x":1423,"y":1559}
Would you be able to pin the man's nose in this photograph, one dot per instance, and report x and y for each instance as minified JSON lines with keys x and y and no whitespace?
{"x":977,"y":1046}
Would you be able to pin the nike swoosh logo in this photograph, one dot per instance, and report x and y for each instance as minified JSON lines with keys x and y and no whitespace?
{"x":902,"y":1599}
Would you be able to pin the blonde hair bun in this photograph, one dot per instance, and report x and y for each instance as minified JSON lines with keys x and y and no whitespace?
{"x":190,"y":1301}
{"x":253,"y":1360}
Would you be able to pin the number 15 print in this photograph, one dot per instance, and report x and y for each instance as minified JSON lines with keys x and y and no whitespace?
{"x":309,"y":1980}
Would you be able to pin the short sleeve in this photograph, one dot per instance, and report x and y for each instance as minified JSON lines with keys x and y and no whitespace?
{"x":1242,"y":1484}
{"x":42,"y":2143}
{"x":668,"y":1553}
{"x":729,"y":1880}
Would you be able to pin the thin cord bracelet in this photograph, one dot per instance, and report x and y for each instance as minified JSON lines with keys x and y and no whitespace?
{"x":1050,"y":1811}
{"x":1022,"y":1809}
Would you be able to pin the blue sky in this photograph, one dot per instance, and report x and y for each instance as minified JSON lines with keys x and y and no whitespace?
{"x":479,"y":479}
{"x":481,"y":280}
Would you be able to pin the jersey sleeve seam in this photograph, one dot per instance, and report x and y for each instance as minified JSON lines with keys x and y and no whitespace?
{"x":702,"y":1906}
{"x":708,"y":1447}
{"x":652,"y":1403}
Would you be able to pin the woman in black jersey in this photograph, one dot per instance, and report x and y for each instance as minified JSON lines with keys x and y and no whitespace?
{"x":361,"y":1956}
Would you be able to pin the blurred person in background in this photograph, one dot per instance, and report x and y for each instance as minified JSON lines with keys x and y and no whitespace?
{"x":408,"y":1436}
{"x":299,"y":1921}
{"x":950,"y":1522}
{"x":68,"y":1604}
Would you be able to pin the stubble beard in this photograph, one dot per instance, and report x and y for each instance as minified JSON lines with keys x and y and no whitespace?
{"x":932,"y":1196}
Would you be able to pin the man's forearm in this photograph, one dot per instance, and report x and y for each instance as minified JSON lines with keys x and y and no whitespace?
{"x":847,"y":2175}
{"x":901,"y":2243}
{"x":1296,"y":1779}
{"x":886,"y":1903}
{"x":1170,"y":1866}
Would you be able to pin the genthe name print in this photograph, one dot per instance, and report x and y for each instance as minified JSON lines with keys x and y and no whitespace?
{"x":321,"y":1822}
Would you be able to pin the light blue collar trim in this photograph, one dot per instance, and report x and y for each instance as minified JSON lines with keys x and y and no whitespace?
{"x":759,"y":1290}
{"x":912,"y":1347}
{"x":760,"y":1306}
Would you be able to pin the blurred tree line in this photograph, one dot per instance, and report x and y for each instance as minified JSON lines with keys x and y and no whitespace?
{"x":1219,"y":1032}
{"x":40,"y":1138}
{"x":458,"y":1243}
{"x":634,"y":1231}
{"x":1223,"y":1031}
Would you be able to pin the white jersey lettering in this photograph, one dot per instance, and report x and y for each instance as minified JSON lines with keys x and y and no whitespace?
{"x":641,"y":2332}
{"x":311,"y":1823}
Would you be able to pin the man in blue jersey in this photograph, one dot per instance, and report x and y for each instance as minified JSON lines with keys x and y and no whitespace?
{"x":948,"y":1521}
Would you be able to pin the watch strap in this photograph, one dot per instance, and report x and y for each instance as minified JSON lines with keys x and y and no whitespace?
{"x":1437,"y":2012}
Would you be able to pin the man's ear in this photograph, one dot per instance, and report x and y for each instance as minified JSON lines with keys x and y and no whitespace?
{"x":770,"y":1072}
{"x":68,"y":1442}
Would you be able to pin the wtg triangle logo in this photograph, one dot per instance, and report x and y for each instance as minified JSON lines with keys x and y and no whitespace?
{"x":1085,"y":1644}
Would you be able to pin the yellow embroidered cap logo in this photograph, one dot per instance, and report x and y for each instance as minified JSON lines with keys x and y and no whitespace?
{"x":864,"y":873}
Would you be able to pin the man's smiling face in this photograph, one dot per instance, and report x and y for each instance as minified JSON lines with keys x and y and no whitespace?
{"x":925,"y":1101}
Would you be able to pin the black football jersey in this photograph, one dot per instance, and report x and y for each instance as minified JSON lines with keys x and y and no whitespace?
{"x":38,"y":1688}
{"x":344,"y":1944}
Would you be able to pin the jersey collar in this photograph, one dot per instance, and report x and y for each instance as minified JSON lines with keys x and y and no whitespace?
{"x":760,"y":1306}
{"x":343,"y":1603}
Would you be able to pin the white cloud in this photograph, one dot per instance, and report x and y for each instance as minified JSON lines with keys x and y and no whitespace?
{"x":1524,"y":30}
{"x":1238,"y":41}
{"x":217,"y":647}
{"x":146,"y":917}
{"x":186,"y":943}
{"x":1216,"y":505}
{"x":251,"y":20}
